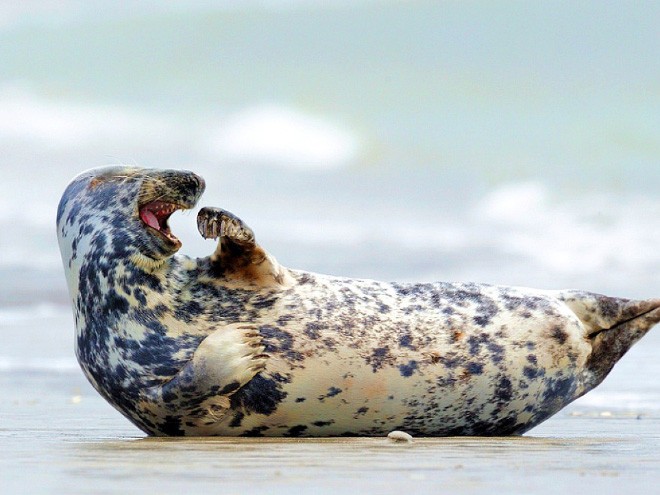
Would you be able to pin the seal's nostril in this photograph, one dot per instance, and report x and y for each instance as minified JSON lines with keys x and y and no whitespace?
{"x":200,"y":182}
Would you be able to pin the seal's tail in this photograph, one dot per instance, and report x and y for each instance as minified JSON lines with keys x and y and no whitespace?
{"x":612,"y":325}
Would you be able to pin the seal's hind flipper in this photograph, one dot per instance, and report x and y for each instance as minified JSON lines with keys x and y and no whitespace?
{"x":238,"y":256}
{"x":611,"y":325}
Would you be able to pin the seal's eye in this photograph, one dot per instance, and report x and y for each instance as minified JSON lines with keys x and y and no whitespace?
{"x":155,"y":216}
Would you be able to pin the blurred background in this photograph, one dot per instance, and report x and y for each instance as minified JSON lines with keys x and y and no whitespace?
{"x":503,"y":142}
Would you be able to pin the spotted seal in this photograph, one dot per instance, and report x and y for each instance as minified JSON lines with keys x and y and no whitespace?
{"x":235,"y":344}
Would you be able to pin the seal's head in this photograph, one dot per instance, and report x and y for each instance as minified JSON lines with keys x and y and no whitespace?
{"x":127,"y":207}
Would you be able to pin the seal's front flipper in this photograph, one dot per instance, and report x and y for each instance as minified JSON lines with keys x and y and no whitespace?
{"x":216,"y":223}
{"x":224,"y":362}
{"x":238,"y":257}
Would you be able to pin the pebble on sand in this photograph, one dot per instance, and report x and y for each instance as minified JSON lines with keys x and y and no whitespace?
{"x":400,"y":436}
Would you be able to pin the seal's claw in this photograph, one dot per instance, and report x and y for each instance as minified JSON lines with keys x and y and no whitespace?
{"x":213,"y":223}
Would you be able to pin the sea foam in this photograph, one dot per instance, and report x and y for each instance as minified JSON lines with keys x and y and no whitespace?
{"x":57,"y":123}
{"x":283,"y":136}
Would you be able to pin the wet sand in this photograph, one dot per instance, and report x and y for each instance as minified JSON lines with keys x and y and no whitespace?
{"x":58,"y":436}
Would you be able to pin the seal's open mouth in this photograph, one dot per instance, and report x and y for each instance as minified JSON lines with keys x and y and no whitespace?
{"x":155,"y":216}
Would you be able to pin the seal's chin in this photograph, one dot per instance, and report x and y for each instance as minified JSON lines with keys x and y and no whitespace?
{"x":155,"y":214}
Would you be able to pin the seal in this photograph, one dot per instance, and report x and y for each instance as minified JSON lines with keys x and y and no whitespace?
{"x":235,"y":344}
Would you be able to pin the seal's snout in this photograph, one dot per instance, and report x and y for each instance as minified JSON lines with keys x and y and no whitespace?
{"x":161,"y":194}
{"x":201,"y":183}
{"x":193,"y":183}
{"x":180,"y":187}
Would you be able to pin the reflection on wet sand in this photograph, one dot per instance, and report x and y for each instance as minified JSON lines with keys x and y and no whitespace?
{"x":378,"y":464}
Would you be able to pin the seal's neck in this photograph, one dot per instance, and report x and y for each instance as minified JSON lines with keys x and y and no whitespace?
{"x":146,"y":263}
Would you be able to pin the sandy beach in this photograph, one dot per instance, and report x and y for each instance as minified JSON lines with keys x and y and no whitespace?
{"x":54,"y":442}
{"x":59,"y":436}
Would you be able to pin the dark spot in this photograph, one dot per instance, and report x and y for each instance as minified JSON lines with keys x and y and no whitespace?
{"x":237,"y":420}
{"x":264,"y":303}
{"x":160,"y":310}
{"x":172,"y":426}
{"x":281,"y":377}
{"x":451,"y":361}
{"x":305,"y":279}
{"x":383,"y":308}
{"x":608,"y":307}
{"x":407,"y":370}
{"x":332,"y":391}
{"x":188,"y":311}
{"x":157,"y":350}
{"x":312,"y":330}
{"x":261,"y":396}
{"x":476,"y":341}
{"x":229,"y":388}
{"x":504,"y":390}
{"x":140,"y":296}
{"x":559,"y":388}
{"x":257,"y":431}
{"x":279,"y":340}
{"x":496,"y":352}
{"x":284,"y":320}
{"x":378,"y":358}
{"x":500,"y":427}
{"x":114,"y":303}
{"x":301,"y":399}
{"x":406,"y":341}
{"x":323,"y":423}
{"x":559,"y":334}
{"x":475,"y":368}
{"x":532,"y":373}
{"x":296,"y":431}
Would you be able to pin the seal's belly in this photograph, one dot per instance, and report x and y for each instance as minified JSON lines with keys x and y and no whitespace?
{"x":344,"y":397}
{"x":424,"y":371}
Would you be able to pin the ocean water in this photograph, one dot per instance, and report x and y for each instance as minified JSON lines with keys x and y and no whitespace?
{"x":498,"y":142}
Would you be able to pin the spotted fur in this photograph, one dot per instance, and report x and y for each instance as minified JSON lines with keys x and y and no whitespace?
{"x":235,"y":344}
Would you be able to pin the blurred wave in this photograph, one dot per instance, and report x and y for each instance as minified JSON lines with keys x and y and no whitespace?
{"x":29,"y":119}
{"x":277,"y":135}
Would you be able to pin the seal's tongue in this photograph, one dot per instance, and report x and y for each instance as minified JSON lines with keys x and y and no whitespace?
{"x":155,"y":215}
{"x":150,"y":219}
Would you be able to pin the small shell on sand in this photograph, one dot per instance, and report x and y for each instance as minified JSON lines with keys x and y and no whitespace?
{"x":400,"y":436}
